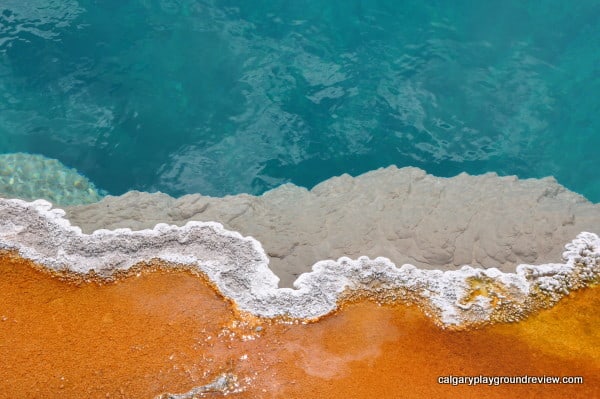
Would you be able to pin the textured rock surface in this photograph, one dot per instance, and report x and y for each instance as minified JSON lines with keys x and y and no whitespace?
{"x":402,"y":214}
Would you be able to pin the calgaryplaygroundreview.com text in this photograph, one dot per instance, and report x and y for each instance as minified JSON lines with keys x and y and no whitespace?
{"x":503,"y":379}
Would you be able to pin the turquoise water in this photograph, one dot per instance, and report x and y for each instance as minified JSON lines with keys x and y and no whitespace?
{"x":223,"y":97}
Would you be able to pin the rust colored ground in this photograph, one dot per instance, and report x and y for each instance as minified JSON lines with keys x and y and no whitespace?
{"x":156,"y":331}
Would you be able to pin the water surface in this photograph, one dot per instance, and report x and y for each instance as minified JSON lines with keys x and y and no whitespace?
{"x":223,"y":97}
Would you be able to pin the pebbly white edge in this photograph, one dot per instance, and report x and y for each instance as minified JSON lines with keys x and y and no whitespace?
{"x":238,"y":266}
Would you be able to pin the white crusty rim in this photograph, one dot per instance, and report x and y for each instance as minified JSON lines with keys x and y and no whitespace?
{"x":238,"y":266}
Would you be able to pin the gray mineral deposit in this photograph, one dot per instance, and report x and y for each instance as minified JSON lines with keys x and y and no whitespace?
{"x":403,"y":214}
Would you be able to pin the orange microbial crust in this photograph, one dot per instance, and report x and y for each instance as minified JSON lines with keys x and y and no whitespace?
{"x":155,"y":331}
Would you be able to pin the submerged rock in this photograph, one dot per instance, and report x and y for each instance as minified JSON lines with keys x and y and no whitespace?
{"x":32,"y":176}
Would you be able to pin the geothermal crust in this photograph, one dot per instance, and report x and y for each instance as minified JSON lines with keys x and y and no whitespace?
{"x":403,"y":214}
{"x":238,"y":266}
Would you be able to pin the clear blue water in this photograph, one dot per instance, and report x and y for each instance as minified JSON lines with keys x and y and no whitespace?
{"x":223,"y":97}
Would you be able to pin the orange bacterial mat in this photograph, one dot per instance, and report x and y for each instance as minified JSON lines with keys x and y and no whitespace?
{"x":155,"y":331}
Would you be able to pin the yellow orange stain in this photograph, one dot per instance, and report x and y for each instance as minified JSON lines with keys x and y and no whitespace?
{"x":155,"y":330}
{"x":486,"y":288}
